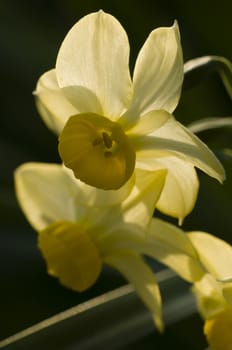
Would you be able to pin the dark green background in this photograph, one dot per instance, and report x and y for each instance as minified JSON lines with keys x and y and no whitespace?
{"x":30,"y":35}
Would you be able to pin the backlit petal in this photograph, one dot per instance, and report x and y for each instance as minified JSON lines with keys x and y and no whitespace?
{"x":49,"y":193}
{"x":170,"y":245}
{"x":44,"y":193}
{"x":139,"y":206}
{"x":162,"y":241}
{"x":147,"y":123}
{"x":134,"y":269}
{"x":208,"y":293}
{"x":174,"y":139}
{"x":53,"y":106}
{"x":158,"y":72}
{"x":181,"y":186}
{"x":136,"y":211}
{"x":95,"y":54}
{"x":214,"y":253}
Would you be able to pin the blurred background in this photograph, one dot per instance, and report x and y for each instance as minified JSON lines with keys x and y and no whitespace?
{"x":30,"y":35}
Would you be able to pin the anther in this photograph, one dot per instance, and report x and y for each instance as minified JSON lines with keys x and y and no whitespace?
{"x":107,"y":140}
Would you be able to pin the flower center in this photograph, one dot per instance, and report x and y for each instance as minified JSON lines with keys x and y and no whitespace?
{"x":97,"y":150}
{"x":70,"y":254}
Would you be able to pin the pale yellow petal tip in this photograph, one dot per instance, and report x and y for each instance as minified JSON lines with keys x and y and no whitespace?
{"x":158,"y":322}
{"x":71,"y":255}
{"x":218,"y":331}
{"x":97,"y":150}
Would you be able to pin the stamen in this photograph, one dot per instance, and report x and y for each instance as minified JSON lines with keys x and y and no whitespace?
{"x":107,"y":140}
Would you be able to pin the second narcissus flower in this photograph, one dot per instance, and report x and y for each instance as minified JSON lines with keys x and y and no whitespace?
{"x":80,"y":228}
{"x":214,"y":290}
{"x":109,"y":123}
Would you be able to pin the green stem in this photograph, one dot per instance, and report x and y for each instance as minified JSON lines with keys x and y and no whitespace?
{"x":196,"y":69}
{"x":112,"y":320}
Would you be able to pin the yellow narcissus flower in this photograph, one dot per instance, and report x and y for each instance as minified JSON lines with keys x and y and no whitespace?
{"x":109,"y":123}
{"x":214,"y":290}
{"x":80,"y":228}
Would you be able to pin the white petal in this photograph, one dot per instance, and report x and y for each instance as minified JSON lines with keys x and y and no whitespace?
{"x":180,"y":190}
{"x":134,"y":269}
{"x":162,"y":241}
{"x":95,"y":55}
{"x":146,"y":124}
{"x":43,"y":191}
{"x":83,"y":99}
{"x":136,"y":210}
{"x":53,"y":106}
{"x":49,"y":193}
{"x":214,"y":253}
{"x":158,"y":72}
{"x":227,"y":292}
{"x":176,"y":140}
{"x":93,"y":197}
{"x":139,"y":207}
{"x":209,"y":296}
{"x":170,"y":245}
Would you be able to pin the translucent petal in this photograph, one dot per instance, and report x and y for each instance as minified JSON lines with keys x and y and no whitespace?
{"x":209,"y":296}
{"x":53,"y":106}
{"x":181,"y":186}
{"x":97,"y":150}
{"x":171,"y":246}
{"x":214,"y":253}
{"x":90,"y":196}
{"x":134,"y":269}
{"x":135,"y":211}
{"x":162,"y":241}
{"x":70,"y":255}
{"x":227,"y":291}
{"x":158,"y":72}
{"x":49,"y":193}
{"x":147,"y":123}
{"x":176,"y":140}
{"x":139,"y":206}
{"x":45,"y":194}
{"x":95,"y":54}
{"x":83,"y":99}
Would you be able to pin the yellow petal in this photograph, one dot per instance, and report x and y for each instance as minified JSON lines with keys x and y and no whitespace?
{"x":170,"y":245}
{"x":210,"y":299}
{"x":158,"y":73}
{"x":179,"y":195}
{"x":180,"y":191}
{"x":134,"y":269}
{"x":95,"y":55}
{"x":139,"y":206}
{"x":177,"y":139}
{"x":214,"y":253}
{"x":70,"y":255}
{"x":97,"y":150}
{"x":161,"y":241}
{"x":146,"y":123}
{"x":227,"y":291}
{"x":218,"y":331}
